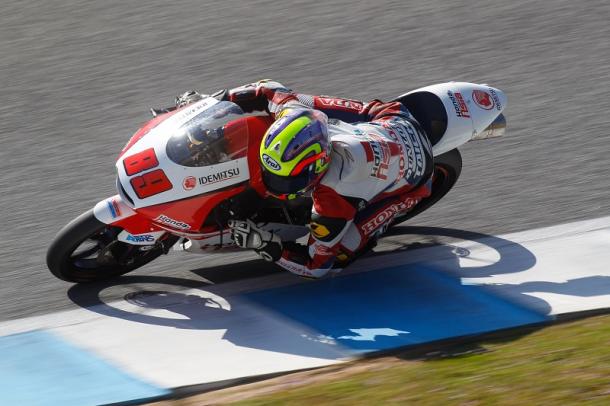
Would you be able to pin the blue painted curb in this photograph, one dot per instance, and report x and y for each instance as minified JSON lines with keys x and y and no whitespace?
{"x":394,"y":307}
{"x":38,"y":368}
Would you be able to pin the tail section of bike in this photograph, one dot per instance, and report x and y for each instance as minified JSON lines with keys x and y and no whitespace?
{"x":454,"y":113}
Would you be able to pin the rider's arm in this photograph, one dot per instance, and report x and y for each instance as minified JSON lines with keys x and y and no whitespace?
{"x":265,"y":95}
{"x":329,"y":225}
{"x":273,"y":97}
{"x":331,"y":218}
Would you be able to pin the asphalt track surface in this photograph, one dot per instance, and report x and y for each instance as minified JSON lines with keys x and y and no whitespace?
{"x":77,"y":78}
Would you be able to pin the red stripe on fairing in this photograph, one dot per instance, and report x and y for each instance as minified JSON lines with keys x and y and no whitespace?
{"x":116,"y":208}
{"x":297,"y":169}
{"x":136,"y":224}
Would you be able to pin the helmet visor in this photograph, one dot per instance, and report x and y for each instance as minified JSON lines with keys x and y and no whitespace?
{"x":285,"y":185}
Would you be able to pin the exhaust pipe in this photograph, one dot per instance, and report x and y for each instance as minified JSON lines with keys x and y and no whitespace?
{"x":496,"y":129}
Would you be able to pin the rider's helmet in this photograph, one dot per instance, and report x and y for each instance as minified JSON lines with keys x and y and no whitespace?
{"x":295,"y":152}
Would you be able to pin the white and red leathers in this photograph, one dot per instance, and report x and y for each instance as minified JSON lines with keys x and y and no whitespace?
{"x":381,"y":166}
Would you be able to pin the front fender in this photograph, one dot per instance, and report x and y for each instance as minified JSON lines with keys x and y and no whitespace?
{"x":115,"y":212}
{"x":112,"y":209}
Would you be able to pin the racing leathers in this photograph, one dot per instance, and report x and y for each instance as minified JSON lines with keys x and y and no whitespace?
{"x":381,"y":166}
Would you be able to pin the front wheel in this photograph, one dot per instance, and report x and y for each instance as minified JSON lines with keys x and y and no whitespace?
{"x":87,"y":250}
{"x":447,"y":169}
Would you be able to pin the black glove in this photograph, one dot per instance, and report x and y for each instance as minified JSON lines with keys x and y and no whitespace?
{"x":245,"y":234}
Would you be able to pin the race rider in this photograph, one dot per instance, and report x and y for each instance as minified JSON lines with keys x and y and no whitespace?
{"x":364,"y":165}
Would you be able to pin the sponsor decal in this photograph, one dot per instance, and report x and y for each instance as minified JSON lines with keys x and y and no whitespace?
{"x":141,"y":238}
{"x":483,"y":99}
{"x":413,"y":150}
{"x":404,"y":142}
{"x":342,"y":104}
{"x":318,"y":230}
{"x":171,"y":222}
{"x":113,"y":206}
{"x":197,"y":107}
{"x":401,"y":150}
{"x":272,"y":163}
{"x":219,"y":176}
{"x":384,"y":217}
{"x":293,"y":267}
{"x":189,"y":183}
{"x":461,"y":109}
{"x":321,"y":250}
{"x":496,"y":99}
{"x":381,"y":156}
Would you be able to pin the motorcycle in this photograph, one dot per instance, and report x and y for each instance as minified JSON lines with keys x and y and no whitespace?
{"x":188,"y":171}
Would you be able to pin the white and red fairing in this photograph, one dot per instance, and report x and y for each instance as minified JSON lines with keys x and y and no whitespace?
{"x":471,"y":109}
{"x":158,"y":194}
{"x":182,"y":197}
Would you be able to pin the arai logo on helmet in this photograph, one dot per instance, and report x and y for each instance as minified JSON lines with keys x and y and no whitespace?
{"x":271,"y":163}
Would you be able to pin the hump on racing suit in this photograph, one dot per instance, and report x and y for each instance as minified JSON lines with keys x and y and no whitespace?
{"x":381,"y":167}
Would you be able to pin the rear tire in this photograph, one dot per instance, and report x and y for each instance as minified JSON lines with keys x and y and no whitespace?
{"x":87,"y":250}
{"x":447,"y":170}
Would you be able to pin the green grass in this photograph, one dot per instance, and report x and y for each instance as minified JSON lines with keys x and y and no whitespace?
{"x":562,"y":364}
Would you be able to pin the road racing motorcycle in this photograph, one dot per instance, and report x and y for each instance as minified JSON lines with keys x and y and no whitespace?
{"x":187,"y":172}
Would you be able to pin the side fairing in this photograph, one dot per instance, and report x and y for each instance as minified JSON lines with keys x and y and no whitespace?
{"x":149,"y":177}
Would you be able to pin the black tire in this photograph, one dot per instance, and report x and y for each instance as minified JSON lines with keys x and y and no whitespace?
{"x":102,"y":257}
{"x":447,"y":170}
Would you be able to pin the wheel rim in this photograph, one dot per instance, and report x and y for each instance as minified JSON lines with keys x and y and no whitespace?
{"x":102,"y":251}
{"x":440,"y":177}
{"x":442,"y":181}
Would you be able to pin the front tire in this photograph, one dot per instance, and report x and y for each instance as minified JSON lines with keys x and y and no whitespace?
{"x":87,"y":250}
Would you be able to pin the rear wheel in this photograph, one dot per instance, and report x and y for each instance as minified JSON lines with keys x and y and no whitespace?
{"x":87,"y":250}
{"x":447,"y":169}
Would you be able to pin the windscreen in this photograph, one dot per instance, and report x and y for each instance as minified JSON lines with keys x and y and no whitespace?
{"x":218,"y":134}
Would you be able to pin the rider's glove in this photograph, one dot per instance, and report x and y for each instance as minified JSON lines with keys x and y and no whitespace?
{"x":247,"y":235}
{"x":188,"y":97}
{"x":255,"y":96}
{"x":248,"y":98}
